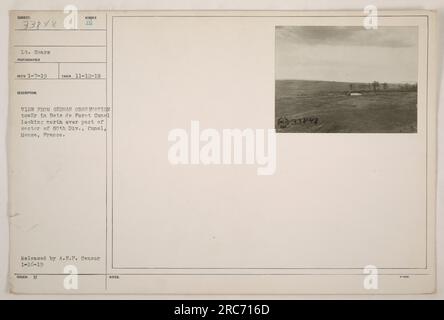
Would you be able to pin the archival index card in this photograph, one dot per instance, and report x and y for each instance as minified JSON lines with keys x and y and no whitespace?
{"x":222,"y":152}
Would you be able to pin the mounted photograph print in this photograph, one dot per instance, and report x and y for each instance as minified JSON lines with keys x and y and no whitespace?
{"x":346,"y":79}
{"x":222,"y":152}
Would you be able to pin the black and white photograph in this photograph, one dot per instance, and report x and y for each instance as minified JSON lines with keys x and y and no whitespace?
{"x":346,"y":79}
{"x":138,"y":159}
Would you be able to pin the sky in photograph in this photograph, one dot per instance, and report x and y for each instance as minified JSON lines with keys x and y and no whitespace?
{"x":349,"y":54}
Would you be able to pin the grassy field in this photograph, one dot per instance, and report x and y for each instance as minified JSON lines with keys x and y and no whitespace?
{"x":325,"y":106}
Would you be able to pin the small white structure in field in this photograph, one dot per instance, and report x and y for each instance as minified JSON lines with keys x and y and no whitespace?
{"x":355,"y":94}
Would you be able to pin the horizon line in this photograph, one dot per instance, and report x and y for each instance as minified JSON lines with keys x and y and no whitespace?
{"x":358,"y":81}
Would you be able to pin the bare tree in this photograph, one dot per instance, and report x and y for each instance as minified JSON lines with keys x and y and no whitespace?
{"x":375,"y":85}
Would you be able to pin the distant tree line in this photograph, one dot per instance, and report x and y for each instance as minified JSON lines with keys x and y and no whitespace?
{"x":376,"y":86}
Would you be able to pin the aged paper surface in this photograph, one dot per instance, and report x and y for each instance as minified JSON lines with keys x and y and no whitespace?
{"x":247,"y":152}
